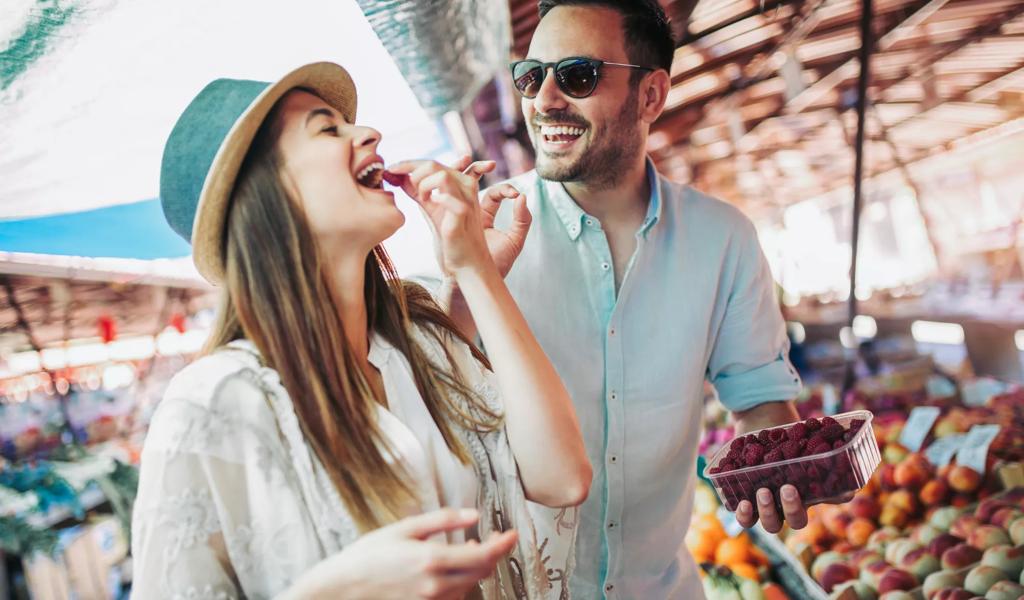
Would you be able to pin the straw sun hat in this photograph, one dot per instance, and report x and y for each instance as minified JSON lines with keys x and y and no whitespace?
{"x":209,"y":142}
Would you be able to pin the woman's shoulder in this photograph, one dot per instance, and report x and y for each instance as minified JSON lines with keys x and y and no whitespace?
{"x":219,"y":393}
{"x":204,"y":379}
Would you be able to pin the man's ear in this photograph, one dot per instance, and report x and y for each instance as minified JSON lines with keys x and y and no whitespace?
{"x":653,"y":94}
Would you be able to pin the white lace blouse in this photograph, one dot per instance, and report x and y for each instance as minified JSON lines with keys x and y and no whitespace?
{"x":234,"y":503}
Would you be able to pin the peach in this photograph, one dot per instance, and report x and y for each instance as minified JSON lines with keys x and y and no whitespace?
{"x":944,"y":517}
{"x":872,"y":574}
{"x":895,"y":551}
{"x":893,"y":454}
{"x":893,"y":516}
{"x":981,"y":578}
{"x":942,"y":543}
{"x":1004,"y":517}
{"x":859,"y":530}
{"x":881,"y":538}
{"x":912,"y":472}
{"x":987,"y":536}
{"x":933,"y":493}
{"x":925,"y":533}
{"x":903,"y":500}
{"x":953,"y":594}
{"x":852,"y":590}
{"x":836,"y":523}
{"x":863,"y":557}
{"x":865,"y":507}
{"x":964,"y":525}
{"x":1016,"y":530}
{"x":1006,"y":558}
{"x":946,"y":426}
{"x":920,"y":563}
{"x":964,"y":479}
{"x":897,"y":595}
{"x":960,"y":556}
{"x":896,"y":579}
{"x":989,"y":507}
{"x":885,"y":475}
{"x":822,"y":562}
{"x":941,"y":580}
{"x":1005,"y":590}
{"x":835,"y":574}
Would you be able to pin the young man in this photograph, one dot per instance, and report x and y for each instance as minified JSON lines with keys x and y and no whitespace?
{"x":638,"y":289}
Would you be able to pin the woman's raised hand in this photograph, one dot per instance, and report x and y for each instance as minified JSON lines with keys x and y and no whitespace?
{"x":448,"y":197}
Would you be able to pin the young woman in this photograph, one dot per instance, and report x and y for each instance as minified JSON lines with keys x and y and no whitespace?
{"x":340,"y":438}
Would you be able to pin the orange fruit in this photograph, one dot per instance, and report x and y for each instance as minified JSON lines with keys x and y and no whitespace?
{"x":745,"y":570}
{"x":732,"y":551}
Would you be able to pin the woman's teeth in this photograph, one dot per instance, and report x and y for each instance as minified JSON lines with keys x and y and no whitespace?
{"x":371,"y":176}
{"x":561,"y":134}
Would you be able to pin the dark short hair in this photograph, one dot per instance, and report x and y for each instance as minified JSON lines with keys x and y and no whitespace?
{"x":649,"y":41}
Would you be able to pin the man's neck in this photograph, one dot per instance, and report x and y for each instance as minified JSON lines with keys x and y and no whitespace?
{"x":623,"y":202}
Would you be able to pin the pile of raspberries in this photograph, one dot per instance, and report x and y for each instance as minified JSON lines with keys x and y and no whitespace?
{"x":817,"y":479}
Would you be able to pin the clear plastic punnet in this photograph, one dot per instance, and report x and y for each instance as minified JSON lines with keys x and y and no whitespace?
{"x":830,"y":476}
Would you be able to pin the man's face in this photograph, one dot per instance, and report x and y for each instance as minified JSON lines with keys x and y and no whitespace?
{"x":588,"y":140}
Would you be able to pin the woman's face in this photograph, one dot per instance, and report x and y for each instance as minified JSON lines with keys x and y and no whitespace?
{"x":333,"y":170}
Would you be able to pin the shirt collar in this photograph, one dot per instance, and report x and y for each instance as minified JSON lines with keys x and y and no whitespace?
{"x":572,"y":215}
{"x":380,"y":350}
{"x":654,"y":204}
{"x":566,"y":208}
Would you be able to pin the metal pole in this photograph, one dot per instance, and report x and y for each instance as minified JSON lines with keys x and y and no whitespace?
{"x":866,"y":43}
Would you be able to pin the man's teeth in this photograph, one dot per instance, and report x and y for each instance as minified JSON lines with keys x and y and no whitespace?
{"x":549,"y":130}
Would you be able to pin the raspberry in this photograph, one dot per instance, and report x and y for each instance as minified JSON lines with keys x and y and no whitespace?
{"x":714,"y":470}
{"x":821,"y":448}
{"x":734,"y":454}
{"x":814,"y":440}
{"x":849,"y":435}
{"x":753,"y":455}
{"x":827,"y":421}
{"x":777,"y":436}
{"x":797,"y":432}
{"x":856,"y":424}
{"x":764,"y":437}
{"x":790,"y":449}
{"x":833,"y":432}
{"x":774,"y":455}
{"x":727,"y":465}
{"x":838,"y":444}
{"x":812,"y":424}
{"x":738,"y":443}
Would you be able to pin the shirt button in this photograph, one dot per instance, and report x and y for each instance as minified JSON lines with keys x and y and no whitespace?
{"x":614,"y":459}
{"x":605,"y":266}
{"x":609,"y":587}
{"x":614,"y":396}
{"x":590,"y":222}
{"x":612,"y":332}
{"x":611,"y":524}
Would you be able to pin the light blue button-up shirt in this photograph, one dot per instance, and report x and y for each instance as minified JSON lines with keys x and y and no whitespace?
{"x":697,"y":301}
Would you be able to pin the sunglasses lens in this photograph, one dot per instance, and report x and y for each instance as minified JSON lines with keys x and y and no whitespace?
{"x":528,"y":76}
{"x":577,"y":78}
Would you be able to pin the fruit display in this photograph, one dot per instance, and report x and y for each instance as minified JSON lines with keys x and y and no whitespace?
{"x":827,"y":460}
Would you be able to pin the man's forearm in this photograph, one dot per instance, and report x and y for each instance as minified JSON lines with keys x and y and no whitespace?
{"x":770,"y":414}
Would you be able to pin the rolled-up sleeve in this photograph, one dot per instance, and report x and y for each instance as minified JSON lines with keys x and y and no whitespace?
{"x":749,"y":362}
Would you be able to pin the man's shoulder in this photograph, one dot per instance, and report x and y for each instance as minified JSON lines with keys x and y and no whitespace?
{"x":687,"y":202}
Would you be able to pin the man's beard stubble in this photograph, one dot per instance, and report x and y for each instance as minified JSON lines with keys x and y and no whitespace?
{"x":611,"y":150}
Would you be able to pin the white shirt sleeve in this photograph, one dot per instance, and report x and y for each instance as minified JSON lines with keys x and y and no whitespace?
{"x":217,"y":513}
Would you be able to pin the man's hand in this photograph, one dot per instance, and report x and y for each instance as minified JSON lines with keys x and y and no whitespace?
{"x":771,"y":414}
{"x":504,"y":246}
{"x":793,"y":510}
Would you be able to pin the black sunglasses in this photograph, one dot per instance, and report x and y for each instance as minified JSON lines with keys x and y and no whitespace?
{"x":576,"y":76}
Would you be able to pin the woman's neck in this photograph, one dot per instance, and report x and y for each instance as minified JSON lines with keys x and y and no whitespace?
{"x":349,"y":279}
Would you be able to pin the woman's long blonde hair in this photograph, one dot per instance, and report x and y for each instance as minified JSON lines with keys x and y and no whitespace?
{"x":277,"y":294}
